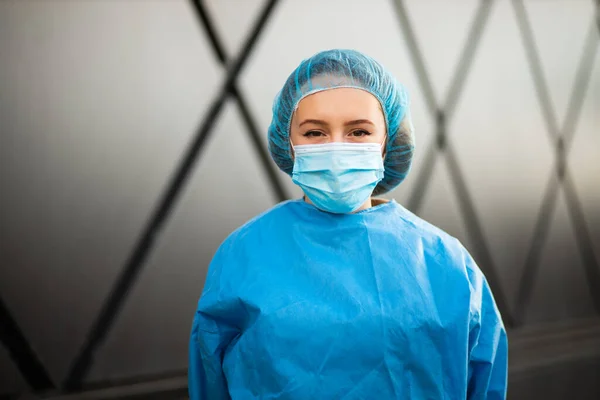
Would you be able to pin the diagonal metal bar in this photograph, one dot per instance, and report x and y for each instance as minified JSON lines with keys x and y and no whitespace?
{"x":586,"y":247}
{"x":561,"y":140}
{"x":532,"y":261}
{"x":535,"y":65}
{"x":21,"y":353}
{"x":415,"y":201}
{"x":249,"y":121}
{"x":416,"y":56}
{"x":467,"y":55}
{"x":475,"y":232}
{"x":83,"y":361}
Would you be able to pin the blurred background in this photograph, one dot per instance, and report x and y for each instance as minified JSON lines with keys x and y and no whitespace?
{"x":133,"y":141}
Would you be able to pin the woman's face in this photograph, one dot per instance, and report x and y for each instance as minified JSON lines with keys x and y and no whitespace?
{"x":338,"y":115}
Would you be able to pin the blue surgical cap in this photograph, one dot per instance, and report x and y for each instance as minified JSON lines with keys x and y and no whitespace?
{"x":346,"y":68}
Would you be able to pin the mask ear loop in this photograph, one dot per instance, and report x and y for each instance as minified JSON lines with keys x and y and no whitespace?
{"x":292,"y":149}
{"x":383,"y":154}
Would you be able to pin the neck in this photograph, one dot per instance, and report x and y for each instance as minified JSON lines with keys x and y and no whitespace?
{"x":364,"y":206}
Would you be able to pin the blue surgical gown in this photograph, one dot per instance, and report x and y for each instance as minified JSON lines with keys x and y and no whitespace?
{"x":303,"y":304}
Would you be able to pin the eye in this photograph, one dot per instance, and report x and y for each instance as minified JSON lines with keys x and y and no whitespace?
{"x":313,"y":134}
{"x":360,"y":133}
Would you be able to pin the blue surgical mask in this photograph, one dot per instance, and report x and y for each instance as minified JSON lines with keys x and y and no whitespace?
{"x":338,"y":177}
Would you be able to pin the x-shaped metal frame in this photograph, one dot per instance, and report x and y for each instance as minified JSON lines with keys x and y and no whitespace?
{"x":84,"y":360}
{"x":251,"y":125}
{"x":442,"y":113}
{"x":561,"y":141}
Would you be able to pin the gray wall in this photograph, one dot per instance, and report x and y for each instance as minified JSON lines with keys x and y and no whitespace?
{"x":98,"y":100}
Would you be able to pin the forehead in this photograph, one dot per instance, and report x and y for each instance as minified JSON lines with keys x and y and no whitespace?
{"x":350,"y":103}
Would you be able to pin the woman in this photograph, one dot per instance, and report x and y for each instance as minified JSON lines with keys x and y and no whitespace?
{"x":340,"y":295}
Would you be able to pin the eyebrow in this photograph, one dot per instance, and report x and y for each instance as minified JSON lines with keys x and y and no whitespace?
{"x":348,"y":123}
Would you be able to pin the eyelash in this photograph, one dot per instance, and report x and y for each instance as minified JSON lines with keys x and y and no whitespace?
{"x":312,"y":134}
{"x":319,"y":133}
{"x":362,"y":131}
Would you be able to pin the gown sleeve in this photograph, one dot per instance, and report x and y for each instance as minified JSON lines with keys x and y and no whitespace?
{"x":213,"y":329}
{"x":488,"y":343}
